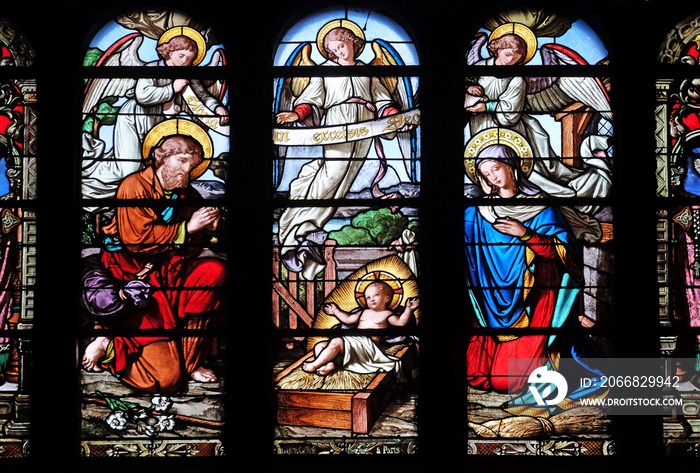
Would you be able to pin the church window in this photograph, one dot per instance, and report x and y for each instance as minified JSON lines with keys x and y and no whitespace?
{"x":18,"y":236}
{"x":155,"y":140}
{"x":346,"y":179}
{"x":677,"y":128}
{"x":538,"y":233}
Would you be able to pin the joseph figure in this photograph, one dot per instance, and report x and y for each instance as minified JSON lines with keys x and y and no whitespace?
{"x":159,"y":246}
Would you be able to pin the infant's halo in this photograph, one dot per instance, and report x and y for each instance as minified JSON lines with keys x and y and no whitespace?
{"x":379,"y":276}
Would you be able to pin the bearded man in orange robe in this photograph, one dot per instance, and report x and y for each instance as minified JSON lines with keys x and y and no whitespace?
{"x":158,"y":245}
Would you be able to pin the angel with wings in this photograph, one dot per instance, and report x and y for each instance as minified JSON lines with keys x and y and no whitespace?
{"x":506,"y":102}
{"x":149,"y":101}
{"x":336,"y":100}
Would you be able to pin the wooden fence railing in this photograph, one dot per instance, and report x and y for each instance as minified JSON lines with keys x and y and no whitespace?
{"x":300,"y":296}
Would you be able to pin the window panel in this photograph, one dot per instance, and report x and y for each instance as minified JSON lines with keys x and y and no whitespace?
{"x":342,"y":134}
{"x":372,"y":23}
{"x":538,"y":231}
{"x":15,"y":398}
{"x":550,"y":32}
{"x":18,"y":239}
{"x":154,"y":237}
{"x":676,"y":146}
{"x":352,"y":239}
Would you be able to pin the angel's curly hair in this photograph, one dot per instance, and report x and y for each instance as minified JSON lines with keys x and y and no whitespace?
{"x":342,"y":34}
{"x":178,"y":43}
{"x":508,"y":41}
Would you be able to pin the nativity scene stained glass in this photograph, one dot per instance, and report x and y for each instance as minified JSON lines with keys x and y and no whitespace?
{"x":153,"y":182}
{"x":677,"y":127}
{"x":537,"y":232}
{"x":346,"y":144}
{"x":18,"y":234}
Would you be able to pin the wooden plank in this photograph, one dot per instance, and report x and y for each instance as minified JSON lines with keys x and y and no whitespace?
{"x":311,"y":297}
{"x":293,"y":288}
{"x":315,"y":418}
{"x":315,"y":400}
{"x":292,"y":302}
{"x":349,"y":259}
{"x":363,"y":415}
{"x":276,"y":316}
{"x":573,"y":124}
{"x":367,"y":405}
{"x":330,"y":273}
{"x":293,"y":366}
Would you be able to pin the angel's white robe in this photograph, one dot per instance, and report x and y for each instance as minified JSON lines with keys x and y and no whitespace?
{"x":332,"y":176}
{"x":551,"y":175}
{"x":103,"y":172}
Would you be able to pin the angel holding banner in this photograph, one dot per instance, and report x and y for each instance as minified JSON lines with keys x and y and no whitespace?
{"x":511,"y":102}
{"x":148,"y":101}
{"x":336,"y":100}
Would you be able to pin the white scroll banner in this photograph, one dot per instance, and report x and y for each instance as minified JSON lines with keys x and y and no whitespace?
{"x":203,"y":113}
{"x":334,"y":134}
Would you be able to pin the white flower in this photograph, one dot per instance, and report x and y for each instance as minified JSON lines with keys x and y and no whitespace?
{"x":165,"y":423}
{"x":146,"y":429}
{"x":117,"y":420}
{"x":161,"y":403}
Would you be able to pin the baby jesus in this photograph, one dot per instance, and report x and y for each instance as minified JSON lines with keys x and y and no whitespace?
{"x":361,"y":354}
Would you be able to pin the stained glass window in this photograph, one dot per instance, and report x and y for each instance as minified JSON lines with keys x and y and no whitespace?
{"x":88,"y":305}
{"x":676,"y":121}
{"x":18,"y":237}
{"x":538,"y":229}
{"x":155,"y":143}
{"x":346,"y":175}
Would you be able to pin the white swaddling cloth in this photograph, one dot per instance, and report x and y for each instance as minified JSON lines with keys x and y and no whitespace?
{"x":363,"y":356}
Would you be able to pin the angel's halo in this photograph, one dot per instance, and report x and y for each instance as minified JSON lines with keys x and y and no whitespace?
{"x":333,"y":24}
{"x":521,"y":31}
{"x":190,"y":33}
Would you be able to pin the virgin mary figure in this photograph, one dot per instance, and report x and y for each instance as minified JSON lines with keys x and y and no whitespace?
{"x":523,"y":265}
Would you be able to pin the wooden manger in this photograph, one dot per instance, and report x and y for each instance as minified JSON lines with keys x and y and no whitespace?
{"x":342,"y":399}
{"x":318,"y":405}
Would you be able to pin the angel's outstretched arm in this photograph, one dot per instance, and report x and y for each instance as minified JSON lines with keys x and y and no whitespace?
{"x":287,"y":117}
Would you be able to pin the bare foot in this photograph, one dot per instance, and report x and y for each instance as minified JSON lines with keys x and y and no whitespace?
{"x":326,"y":369}
{"x":95,"y":350}
{"x":310,"y":367}
{"x":203,"y":375}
